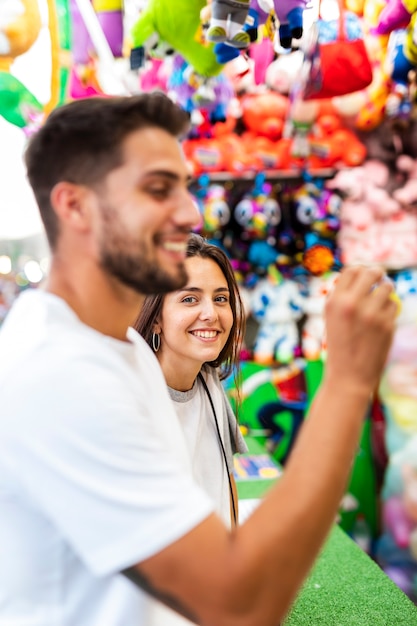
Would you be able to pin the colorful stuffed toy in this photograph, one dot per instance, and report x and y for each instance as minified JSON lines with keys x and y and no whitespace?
{"x":97,"y":37}
{"x":313,"y":333}
{"x":20,"y":24}
{"x":277,"y":305}
{"x":194,"y":92}
{"x":178,"y":24}
{"x":289,"y":15}
{"x":227,"y":20}
{"x":214,"y":208}
{"x":258,"y":214}
{"x":399,"y":17}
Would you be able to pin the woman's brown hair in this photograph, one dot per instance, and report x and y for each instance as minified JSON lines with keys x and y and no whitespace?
{"x":228,"y":359}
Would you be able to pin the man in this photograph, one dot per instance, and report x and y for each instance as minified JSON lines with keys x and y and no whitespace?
{"x":97,"y":500}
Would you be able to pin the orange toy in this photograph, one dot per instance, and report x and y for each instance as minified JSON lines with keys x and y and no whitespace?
{"x":265,"y":113}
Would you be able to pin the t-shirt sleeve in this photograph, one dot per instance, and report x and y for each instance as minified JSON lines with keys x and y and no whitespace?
{"x":90,"y":457}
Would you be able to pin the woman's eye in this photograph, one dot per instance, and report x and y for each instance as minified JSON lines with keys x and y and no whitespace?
{"x":222,"y":299}
{"x":189,"y":299}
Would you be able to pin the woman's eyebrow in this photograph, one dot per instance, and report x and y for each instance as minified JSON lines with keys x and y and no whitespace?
{"x":199,"y":290}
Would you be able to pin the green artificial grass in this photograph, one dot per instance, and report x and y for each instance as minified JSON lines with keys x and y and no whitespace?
{"x":345,"y":587}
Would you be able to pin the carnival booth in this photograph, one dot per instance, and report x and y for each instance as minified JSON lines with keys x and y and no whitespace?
{"x":303,"y":153}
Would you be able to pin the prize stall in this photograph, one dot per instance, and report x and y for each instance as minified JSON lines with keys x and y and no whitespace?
{"x":303,"y":153}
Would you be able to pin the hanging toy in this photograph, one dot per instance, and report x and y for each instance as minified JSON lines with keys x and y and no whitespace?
{"x":226,"y":52}
{"x":179,"y":25}
{"x":194,"y":92}
{"x":20,"y":25}
{"x":289,"y":15}
{"x":97,"y":39}
{"x":227,"y":20}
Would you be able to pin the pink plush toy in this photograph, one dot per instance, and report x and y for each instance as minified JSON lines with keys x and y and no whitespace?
{"x":374,"y":227}
{"x":407,"y":194}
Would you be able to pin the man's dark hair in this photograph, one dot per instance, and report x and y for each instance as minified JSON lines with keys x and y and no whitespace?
{"x":81,"y":142}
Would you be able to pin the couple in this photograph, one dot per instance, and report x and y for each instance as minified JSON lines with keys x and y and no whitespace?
{"x":101,"y":513}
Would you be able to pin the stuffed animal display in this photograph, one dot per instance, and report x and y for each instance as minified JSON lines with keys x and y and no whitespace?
{"x":291,"y":189}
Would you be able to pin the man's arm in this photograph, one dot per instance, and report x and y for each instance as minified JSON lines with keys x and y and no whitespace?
{"x":251,"y":575}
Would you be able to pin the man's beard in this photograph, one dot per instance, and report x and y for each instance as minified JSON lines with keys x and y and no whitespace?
{"x":127,"y":260}
{"x":137,"y":272}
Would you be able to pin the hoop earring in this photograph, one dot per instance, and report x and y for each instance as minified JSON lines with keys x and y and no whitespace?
{"x":156,"y":341}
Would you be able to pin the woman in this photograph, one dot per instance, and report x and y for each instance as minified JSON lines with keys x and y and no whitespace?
{"x":196,"y":333}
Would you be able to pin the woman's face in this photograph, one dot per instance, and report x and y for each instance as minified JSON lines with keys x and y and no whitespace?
{"x":196,"y":321}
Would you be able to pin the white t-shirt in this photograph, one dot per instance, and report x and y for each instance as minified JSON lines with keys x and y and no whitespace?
{"x":94,"y":470}
{"x":196,"y":416}
{"x":209,"y":468}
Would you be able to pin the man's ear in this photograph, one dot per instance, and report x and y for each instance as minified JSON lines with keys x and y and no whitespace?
{"x":70,"y":203}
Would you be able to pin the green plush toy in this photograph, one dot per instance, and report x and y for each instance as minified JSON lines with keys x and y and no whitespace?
{"x":177,"y":24}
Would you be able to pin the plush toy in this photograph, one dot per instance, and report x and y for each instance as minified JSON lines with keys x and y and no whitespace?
{"x":406,"y":195}
{"x":178,"y":24}
{"x":400,"y":18}
{"x":226,"y":24}
{"x":258,"y":214}
{"x":265,"y":113}
{"x":20,"y":25}
{"x":313,"y":332}
{"x":320,"y":255}
{"x":282,"y":74}
{"x":214,"y":208}
{"x":277,"y":305}
{"x":374,"y":228}
{"x":395,"y":15}
{"x":290,"y":17}
{"x":194,"y":92}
